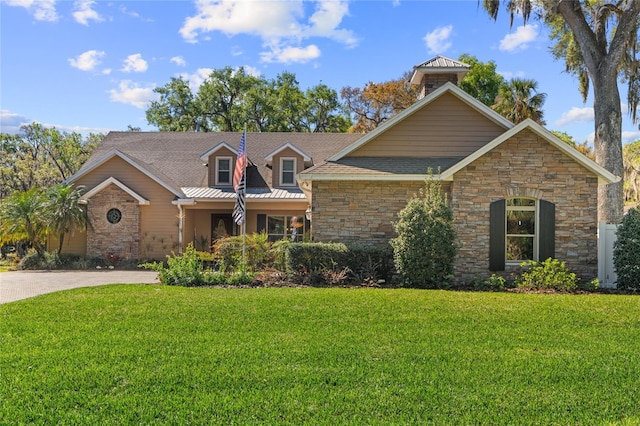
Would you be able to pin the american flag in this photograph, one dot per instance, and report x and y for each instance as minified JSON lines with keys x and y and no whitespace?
{"x":239,"y":182}
{"x":241,"y":163}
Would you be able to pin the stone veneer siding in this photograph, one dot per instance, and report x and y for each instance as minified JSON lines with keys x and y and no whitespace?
{"x":122,"y":238}
{"x":526,"y":166}
{"x":359,"y":211}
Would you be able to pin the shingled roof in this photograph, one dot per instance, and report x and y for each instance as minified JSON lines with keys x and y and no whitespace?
{"x":379,"y":167}
{"x":174,"y":157}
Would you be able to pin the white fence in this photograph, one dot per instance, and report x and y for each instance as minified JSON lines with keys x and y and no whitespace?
{"x":606,"y":238}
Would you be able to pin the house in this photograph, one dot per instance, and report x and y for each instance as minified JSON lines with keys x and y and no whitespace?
{"x":517,"y":191}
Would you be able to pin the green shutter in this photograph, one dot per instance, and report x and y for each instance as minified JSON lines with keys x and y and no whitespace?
{"x":497,"y":236}
{"x":262,"y":223}
{"x":547,"y":239}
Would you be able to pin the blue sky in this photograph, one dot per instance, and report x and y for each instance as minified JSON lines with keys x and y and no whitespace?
{"x":91,"y":66}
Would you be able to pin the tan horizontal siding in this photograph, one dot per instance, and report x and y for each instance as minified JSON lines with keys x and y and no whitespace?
{"x":447,"y":127}
{"x":197,"y":221}
{"x":74,"y":242}
{"x":158,"y":234}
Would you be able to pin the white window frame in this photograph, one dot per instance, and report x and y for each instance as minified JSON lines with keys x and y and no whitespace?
{"x":218,"y":170}
{"x":282,"y":171}
{"x":535,"y":208}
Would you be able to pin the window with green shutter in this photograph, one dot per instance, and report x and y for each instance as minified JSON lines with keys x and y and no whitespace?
{"x":520,"y":229}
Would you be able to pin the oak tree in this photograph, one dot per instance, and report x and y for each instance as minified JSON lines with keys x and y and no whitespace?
{"x":598,"y":43}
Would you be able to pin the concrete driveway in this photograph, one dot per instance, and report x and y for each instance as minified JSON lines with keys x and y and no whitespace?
{"x":17,"y":285}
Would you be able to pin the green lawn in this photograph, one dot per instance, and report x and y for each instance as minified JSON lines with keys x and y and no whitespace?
{"x":129,"y":354}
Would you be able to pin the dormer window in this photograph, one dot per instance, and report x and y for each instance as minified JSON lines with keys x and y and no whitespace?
{"x":287,"y":171}
{"x":223,"y":170}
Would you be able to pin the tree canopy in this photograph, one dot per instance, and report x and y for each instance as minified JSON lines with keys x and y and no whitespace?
{"x":41,"y":157}
{"x":230,"y":99}
{"x":519,"y":99}
{"x":375,"y":103}
{"x":481,"y":81}
{"x":598,"y":42}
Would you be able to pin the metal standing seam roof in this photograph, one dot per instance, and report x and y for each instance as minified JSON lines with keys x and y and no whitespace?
{"x":205,"y":193}
{"x":442,"y":62}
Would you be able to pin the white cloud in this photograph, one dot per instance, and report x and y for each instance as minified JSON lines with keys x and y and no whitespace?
{"x":508,"y":75}
{"x":42,"y":10}
{"x":179,"y":61}
{"x":83,"y":12}
{"x":277,"y":23}
{"x":291,"y":54}
{"x":88,"y":60}
{"x":519,"y":40}
{"x":236,"y":51}
{"x":438,"y":40}
{"x":630,"y":136}
{"x":10,"y":122}
{"x":326,"y":19}
{"x":265,"y":19}
{"x":576,"y":115}
{"x":131,"y":93}
{"x":197,"y":78}
{"x":252,"y":71}
{"x":135,"y":63}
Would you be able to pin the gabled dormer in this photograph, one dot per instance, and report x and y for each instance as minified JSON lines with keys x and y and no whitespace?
{"x":285,"y":163}
{"x":220,"y":160}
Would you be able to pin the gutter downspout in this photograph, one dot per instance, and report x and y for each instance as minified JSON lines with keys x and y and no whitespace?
{"x":180,"y":226}
{"x":179,"y":203}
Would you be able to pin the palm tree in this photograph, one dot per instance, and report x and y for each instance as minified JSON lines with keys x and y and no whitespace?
{"x":519,"y":99}
{"x":64,"y":211}
{"x":21,"y":217}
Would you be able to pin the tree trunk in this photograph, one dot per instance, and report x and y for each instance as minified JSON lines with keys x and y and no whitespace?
{"x":602,"y":66}
{"x":608,"y":144}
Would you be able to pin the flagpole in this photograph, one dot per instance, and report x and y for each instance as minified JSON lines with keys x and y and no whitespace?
{"x":239,"y":213}
{"x":243,"y":226}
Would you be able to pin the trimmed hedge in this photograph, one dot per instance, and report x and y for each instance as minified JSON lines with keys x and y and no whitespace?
{"x":337,"y":263}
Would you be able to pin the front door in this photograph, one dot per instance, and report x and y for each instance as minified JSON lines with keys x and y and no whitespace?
{"x":221,"y":226}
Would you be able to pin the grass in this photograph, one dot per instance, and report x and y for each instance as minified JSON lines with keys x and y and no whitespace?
{"x":129,"y":354}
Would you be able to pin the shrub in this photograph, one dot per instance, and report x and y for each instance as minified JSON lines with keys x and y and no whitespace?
{"x":33,"y":260}
{"x":495,"y":282}
{"x":337,"y":264}
{"x":370,"y":265}
{"x":309,"y":259}
{"x":425,"y":248}
{"x":184,"y":270}
{"x":626,"y":251}
{"x":240,"y":278}
{"x":227,"y":252}
{"x":551,"y":274}
{"x":210,"y":277}
{"x":591,"y":285}
{"x":279,"y":254}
